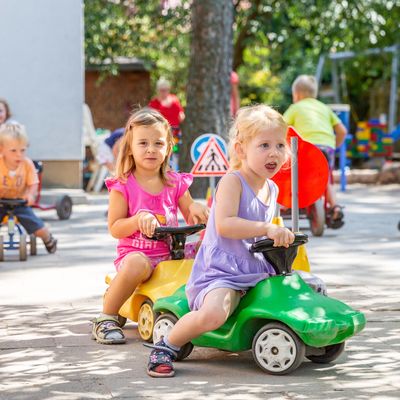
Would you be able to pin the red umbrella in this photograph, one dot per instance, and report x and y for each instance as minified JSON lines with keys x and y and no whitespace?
{"x":313,"y":172}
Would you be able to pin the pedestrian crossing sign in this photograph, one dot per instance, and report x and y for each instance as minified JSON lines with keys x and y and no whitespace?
{"x":212,"y":162}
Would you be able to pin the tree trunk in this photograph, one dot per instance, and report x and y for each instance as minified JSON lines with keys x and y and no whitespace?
{"x":208,"y":89}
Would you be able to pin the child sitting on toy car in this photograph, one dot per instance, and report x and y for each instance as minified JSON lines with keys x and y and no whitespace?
{"x":243,"y":209}
{"x":19,"y":180}
{"x":144,"y":194}
{"x":318,"y":124}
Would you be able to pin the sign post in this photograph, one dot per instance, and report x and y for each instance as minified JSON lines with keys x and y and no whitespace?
{"x":211,"y":161}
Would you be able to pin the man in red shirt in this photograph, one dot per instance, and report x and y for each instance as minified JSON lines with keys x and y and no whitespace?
{"x":167,"y":104}
{"x":170,"y":107}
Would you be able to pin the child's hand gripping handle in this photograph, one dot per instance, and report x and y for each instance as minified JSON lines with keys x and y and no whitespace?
{"x":178,"y":235}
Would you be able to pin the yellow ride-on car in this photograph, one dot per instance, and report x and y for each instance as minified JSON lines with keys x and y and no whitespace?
{"x":167,"y":277}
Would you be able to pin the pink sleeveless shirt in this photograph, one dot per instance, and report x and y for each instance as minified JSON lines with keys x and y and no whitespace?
{"x":164,"y":206}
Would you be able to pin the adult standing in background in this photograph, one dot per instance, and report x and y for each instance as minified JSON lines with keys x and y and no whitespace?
{"x":167,"y":104}
{"x":170,"y":108}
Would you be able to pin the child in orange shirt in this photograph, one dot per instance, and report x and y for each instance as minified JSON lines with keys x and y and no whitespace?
{"x":19,"y":180}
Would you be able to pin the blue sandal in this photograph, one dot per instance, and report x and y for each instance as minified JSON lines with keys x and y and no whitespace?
{"x":160,"y":360}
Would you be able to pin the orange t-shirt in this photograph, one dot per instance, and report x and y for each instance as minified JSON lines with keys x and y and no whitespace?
{"x":13,"y":184}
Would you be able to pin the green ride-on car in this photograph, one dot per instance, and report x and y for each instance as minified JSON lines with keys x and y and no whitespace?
{"x":282,"y":320}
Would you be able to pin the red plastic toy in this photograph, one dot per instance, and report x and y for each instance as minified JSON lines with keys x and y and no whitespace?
{"x":63,"y":204}
{"x":313,"y":175}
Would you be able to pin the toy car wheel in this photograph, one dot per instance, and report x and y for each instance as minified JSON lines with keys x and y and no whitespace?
{"x":331,"y":353}
{"x":64,"y":207}
{"x":1,"y":248}
{"x":277,"y":349}
{"x":23,"y":251}
{"x":146,"y":320}
{"x":122,"y":320}
{"x":317,"y":218}
{"x":32,"y":245}
{"x":163,"y":325}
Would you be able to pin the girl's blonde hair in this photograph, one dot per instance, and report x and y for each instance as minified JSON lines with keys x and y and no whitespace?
{"x":125,"y":164}
{"x":249,"y":122}
{"x":13,"y":131}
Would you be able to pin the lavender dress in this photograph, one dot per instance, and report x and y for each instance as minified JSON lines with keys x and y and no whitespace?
{"x":227,"y":263}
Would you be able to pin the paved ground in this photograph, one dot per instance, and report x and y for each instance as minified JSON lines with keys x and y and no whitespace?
{"x":46,"y":304}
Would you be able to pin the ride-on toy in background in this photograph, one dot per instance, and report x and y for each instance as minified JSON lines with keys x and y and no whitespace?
{"x":313,"y":175}
{"x":63,"y":203}
{"x":282,"y":320}
{"x":16,"y":236}
{"x":166,"y":278}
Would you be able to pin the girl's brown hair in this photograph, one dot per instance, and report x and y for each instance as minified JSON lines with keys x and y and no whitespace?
{"x":125,"y":164}
{"x":248,"y":123}
{"x":7,"y":107}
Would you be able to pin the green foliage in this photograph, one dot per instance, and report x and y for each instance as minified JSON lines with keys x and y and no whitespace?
{"x":297,"y":33}
{"x":144,"y":29}
{"x":258,"y":84}
{"x":274,"y":40}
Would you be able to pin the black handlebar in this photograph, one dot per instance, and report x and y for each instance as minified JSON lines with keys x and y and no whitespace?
{"x":162,"y":232}
{"x":281,"y":258}
{"x":268,"y":244}
{"x":12,"y":203}
{"x":177,"y":235}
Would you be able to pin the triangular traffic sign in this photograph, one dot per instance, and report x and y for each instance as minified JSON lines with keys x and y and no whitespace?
{"x":212,"y":162}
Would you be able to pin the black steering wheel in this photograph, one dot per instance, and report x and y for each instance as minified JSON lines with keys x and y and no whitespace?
{"x":162,"y":232}
{"x":281,"y":258}
{"x":268,"y":244}
{"x":177,"y":236}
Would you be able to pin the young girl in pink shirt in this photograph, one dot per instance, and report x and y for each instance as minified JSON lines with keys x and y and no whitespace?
{"x":143,"y":195}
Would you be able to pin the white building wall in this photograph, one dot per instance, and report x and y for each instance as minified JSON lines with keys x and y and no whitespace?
{"x":42,"y":73}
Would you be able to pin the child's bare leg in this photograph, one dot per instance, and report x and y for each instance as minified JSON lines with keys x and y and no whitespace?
{"x":336,"y":210}
{"x":331,"y":195}
{"x":136,"y":268}
{"x":218,"y":305}
{"x":43,"y":234}
{"x":334,"y":216}
{"x":48,"y":239}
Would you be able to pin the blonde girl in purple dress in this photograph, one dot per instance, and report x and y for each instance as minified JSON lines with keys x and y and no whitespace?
{"x":143,"y":195}
{"x":242,"y":212}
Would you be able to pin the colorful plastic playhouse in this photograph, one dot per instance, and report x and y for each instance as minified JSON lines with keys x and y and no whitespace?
{"x":372,"y":139}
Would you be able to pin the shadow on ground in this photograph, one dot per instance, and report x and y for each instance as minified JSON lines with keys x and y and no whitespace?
{"x":47,"y":353}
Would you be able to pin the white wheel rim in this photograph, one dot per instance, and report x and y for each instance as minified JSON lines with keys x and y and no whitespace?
{"x":161,"y":329}
{"x":145,"y":321}
{"x":275,"y":350}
